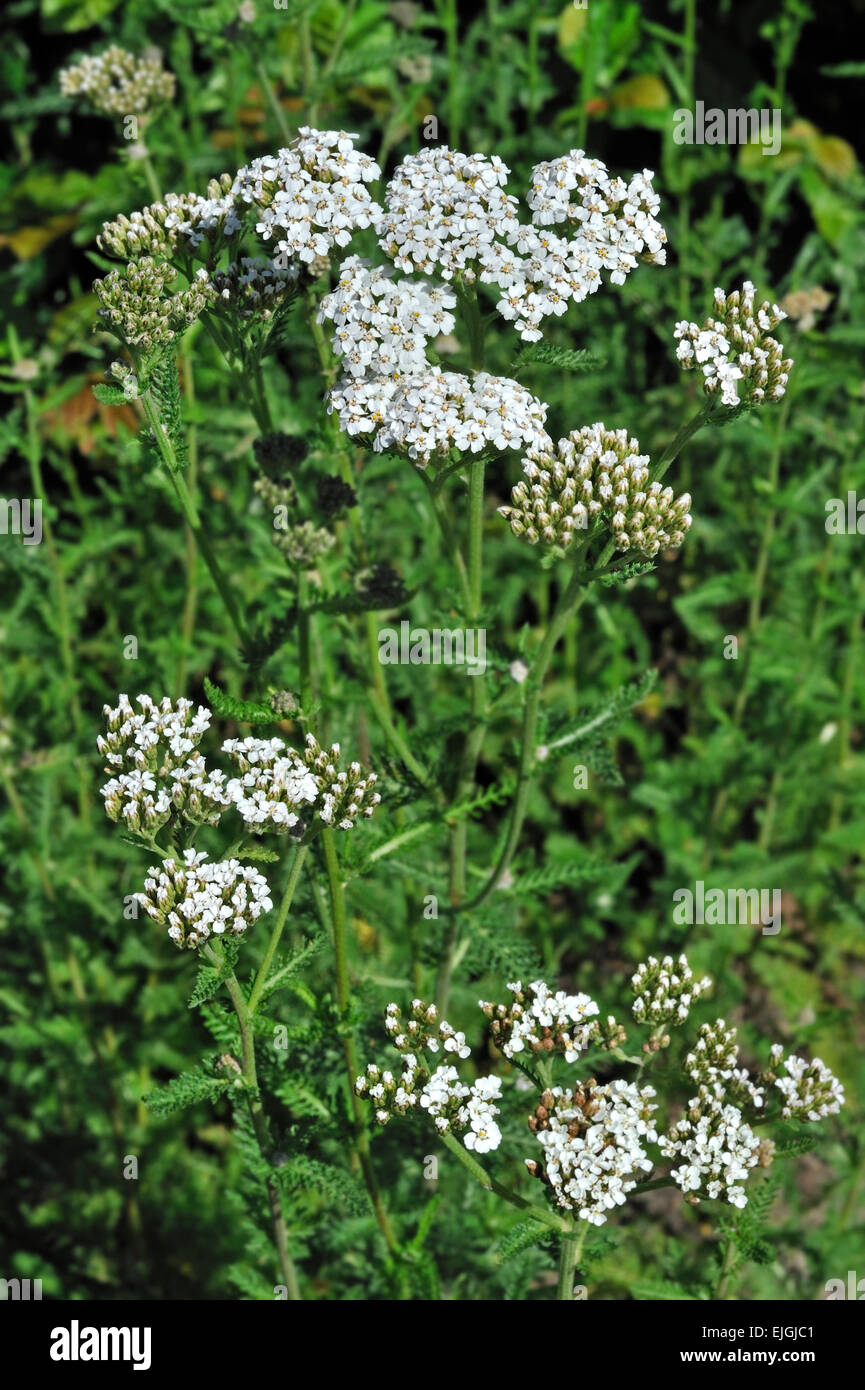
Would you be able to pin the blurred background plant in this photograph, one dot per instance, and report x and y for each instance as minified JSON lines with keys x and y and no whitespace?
{"x":745,"y":772}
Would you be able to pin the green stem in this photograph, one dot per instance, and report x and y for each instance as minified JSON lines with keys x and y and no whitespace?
{"x":451,"y":544}
{"x":678,"y":442}
{"x":474,"y":737}
{"x":190,"y":512}
{"x":489,"y":1184}
{"x":755,"y":605}
{"x":567,"y":606}
{"x":270,"y":97}
{"x":476,"y":732}
{"x":727,"y":1267}
{"x":569,"y":1256}
{"x":278,"y":927}
{"x":303,"y":649}
{"x":360,"y":1135}
{"x":150,"y":176}
{"x":190,"y":603}
{"x":258,"y":394}
{"x":259,"y":1124}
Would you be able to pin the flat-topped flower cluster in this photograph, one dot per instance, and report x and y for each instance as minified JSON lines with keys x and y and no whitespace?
{"x":159,"y":778}
{"x":197,"y":900}
{"x":159,"y":772}
{"x":593,"y":1139}
{"x":446,"y":214}
{"x":595,"y":1136}
{"x":447,"y":226}
{"x":119,"y":83}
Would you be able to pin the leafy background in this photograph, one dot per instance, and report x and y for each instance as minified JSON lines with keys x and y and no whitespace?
{"x":741,"y":773}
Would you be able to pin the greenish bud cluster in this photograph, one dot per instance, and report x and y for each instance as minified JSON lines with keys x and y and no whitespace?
{"x":304,"y":543}
{"x":138,"y":307}
{"x":595,"y":474}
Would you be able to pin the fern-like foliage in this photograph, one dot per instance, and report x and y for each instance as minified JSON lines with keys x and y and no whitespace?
{"x":243,"y":711}
{"x":164,"y":385}
{"x":523,"y":1236}
{"x":603,"y":716}
{"x":300,"y":1173}
{"x":569,"y":359}
{"x":210,"y":977}
{"x":190,"y":1087}
{"x":634,"y":569}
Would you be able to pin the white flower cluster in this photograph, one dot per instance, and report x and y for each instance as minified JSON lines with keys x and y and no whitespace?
{"x":311,"y":196}
{"x":303,"y":543}
{"x":479,"y":1112}
{"x":595,"y":472}
{"x":196,"y":219}
{"x":443,"y":211}
{"x":714,"y":1063}
{"x":579,"y":191}
{"x":426,"y":416}
{"x":715,"y":1147}
{"x":197,"y":899}
{"x":443,"y":1093}
{"x":446,"y":213}
{"x":470,"y":1110}
{"x":595,"y":1136}
{"x":344,"y":796}
{"x":735,"y":351}
{"x":810,"y":1090}
{"x":382,"y":325}
{"x":424,"y":1030}
{"x":277,"y":785}
{"x":160,"y":772}
{"x":540,"y":1020}
{"x":593,"y":1140}
{"x":119,"y":83}
{"x":383,"y":1089}
{"x":152,"y":753}
{"x":613,"y":227}
{"x":665,"y":990}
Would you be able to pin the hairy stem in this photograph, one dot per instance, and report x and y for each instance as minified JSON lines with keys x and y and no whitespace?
{"x":569,"y":1255}
{"x":727,"y":1267}
{"x":567,"y":606}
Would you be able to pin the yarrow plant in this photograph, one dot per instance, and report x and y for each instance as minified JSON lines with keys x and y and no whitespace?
{"x":600,"y":1140}
{"x":384,"y":277}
